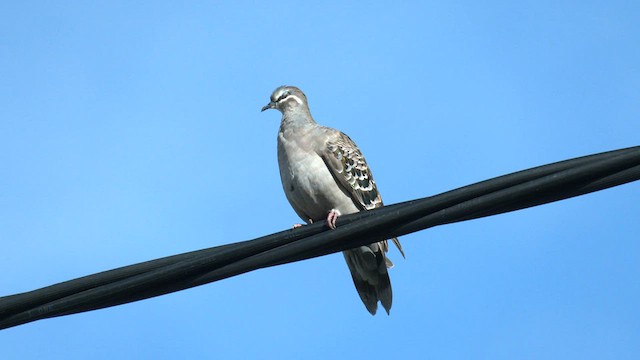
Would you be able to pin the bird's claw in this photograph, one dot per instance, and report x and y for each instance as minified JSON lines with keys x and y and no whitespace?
{"x":295,"y":226}
{"x":332,"y":216}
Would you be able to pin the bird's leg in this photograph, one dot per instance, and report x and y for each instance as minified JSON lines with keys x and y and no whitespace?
{"x":332,"y":216}
{"x":295,"y":226}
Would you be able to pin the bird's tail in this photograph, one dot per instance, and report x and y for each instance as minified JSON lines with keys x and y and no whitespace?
{"x":368,"y":266}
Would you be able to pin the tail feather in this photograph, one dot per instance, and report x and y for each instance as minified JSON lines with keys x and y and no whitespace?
{"x":399,"y":246}
{"x":370,"y":277}
{"x":366,"y":291}
{"x":385,"y":294}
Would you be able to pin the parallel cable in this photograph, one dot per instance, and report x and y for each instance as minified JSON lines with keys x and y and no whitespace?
{"x":523,"y":189}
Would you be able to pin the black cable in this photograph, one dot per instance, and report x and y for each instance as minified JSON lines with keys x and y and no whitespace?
{"x":506,"y":193}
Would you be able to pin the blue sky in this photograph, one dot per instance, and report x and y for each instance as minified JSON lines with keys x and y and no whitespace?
{"x":133,"y":131}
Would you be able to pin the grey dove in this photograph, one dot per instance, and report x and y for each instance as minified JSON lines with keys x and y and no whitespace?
{"x":324,"y":175}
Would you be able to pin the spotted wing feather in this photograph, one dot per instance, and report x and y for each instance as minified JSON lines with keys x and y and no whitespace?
{"x":349,"y":167}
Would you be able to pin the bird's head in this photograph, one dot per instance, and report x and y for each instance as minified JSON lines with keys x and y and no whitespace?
{"x":287,"y":98}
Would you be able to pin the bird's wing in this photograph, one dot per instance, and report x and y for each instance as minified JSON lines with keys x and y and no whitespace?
{"x":350,"y":170}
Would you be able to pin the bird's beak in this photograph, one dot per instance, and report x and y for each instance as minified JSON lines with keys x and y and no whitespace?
{"x":270,"y":105}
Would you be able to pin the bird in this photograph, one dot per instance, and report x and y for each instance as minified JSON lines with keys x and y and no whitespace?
{"x":324,"y":175}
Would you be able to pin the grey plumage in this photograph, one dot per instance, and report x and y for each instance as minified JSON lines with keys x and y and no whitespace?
{"x":324,"y":174}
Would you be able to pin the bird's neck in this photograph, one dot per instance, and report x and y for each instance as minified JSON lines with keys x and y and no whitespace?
{"x":297,"y":119}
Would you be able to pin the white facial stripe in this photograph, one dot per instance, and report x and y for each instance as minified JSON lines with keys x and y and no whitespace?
{"x":297,"y":99}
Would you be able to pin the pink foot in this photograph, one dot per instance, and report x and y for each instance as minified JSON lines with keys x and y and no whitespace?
{"x":295,"y":226}
{"x":332,"y":216}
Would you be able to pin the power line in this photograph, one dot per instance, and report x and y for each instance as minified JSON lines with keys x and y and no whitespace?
{"x":506,"y":193}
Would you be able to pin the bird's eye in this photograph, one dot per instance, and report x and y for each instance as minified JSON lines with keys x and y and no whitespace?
{"x":282,"y":96}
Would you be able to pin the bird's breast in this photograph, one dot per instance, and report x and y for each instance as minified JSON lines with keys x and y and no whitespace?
{"x":307,"y":182}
